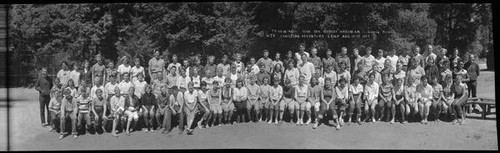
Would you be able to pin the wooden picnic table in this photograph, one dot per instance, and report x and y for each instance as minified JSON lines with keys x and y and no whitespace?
{"x":485,"y":103}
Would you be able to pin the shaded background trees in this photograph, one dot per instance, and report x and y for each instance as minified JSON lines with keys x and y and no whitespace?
{"x":47,"y":34}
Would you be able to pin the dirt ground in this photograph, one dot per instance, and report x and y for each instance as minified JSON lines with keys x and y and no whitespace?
{"x":475,"y":134}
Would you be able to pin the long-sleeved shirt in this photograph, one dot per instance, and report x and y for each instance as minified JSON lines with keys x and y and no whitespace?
{"x":43,"y":85}
{"x":473,"y":70}
{"x":371,"y":91}
{"x":117,"y":103}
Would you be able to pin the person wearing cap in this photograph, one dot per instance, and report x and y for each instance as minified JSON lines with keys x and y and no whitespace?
{"x":306,"y":68}
{"x":124,"y":68}
{"x":155,"y":65}
{"x":253,"y":98}
{"x":69,"y":109}
{"x":131,"y":113}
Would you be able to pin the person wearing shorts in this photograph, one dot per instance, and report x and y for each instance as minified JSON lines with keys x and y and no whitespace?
{"x":371,"y":97}
{"x":425,"y":99}
{"x":190,"y":100}
{"x":253,"y":98}
{"x":437,"y":99}
{"x":98,"y":107}
{"x":327,"y":99}
{"x":227,"y":101}
{"x":342,"y":93}
{"x":69,"y":109}
{"x":411,"y":97}
{"x":83,"y":103}
{"x":399,"y":101}
{"x":109,"y":89}
{"x":131,"y":110}
{"x":314,"y":98}
{"x":386,"y":98}
{"x":148,"y":102}
{"x":264,"y":94}
{"x":276,"y":96}
{"x":203,"y":106}
{"x":355,"y":94}
{"x":240,"y":95}
{"x":163,"y":113}
{"x":460,"y":90}
{"x":287,"y":100}
{"x":177,"y":106}
{"x":301,"y":92}
{"x":55,"y":109}
{"x":117,"y":108}
{"x":448,"y":97}
{"x":215,"y":101}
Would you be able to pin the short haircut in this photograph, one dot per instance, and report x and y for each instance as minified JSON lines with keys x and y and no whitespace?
{"x":342,"y":79}
{"x":423,"y":77}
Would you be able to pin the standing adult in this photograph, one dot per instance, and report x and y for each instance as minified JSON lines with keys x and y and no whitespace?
{"x":155,"y":65}
{"x":368,"y":59}
{"x":298,"y":55}
{"x":266,"y":60}
{"x":98,"y":69}
{"x":43,"y":85}
{"x":124,"y":68}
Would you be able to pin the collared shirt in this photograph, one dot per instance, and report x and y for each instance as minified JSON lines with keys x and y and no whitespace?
{"x":264,"y":91}
{"x":190,"y":98}
{"x":156,"y":65}
{"x":69,"y":105}
{"x":307,"y":70}
{"x":172,"y":80}
{"x":124,"y":87}
{"x":261,"y":76}
{"x":342,"y":93}
{"x":346,"y":75}
{"x":380,"y":62}
{"x":330,"y":61}
{"x":240,"y":94}
{"x":63,"y":77}
{"x":298,"y":57}
{"x":426,"y":91}
{"x":225,"y":68}
{"x":75,"y":76}
{"x":276,"y":92}
{"x":182,"y":82}
{"x":394,"y":61}
{"x":333,"y":77}
{"x":43,"y":84}
{"x":196,"y":81}
{"x":239,"y":66}
{"x":316,"y":61}
{"x":400,"y":75}
{"x":124,"y":69}
{"x":371,"y":90}
{"x":473,"y":70}
{"x":356,"y":89}
{"x":220,"y":80}
{"x":292,"y":75}
{"x":253,"y":91}
{"x":55,"y":104}
{"x":117,"y":103}
{"x":140,"y":88}
{"x":368,"y":62}
{"x":267,"y":62}
{"x":177,"y":67}
{"x":157,"y":84}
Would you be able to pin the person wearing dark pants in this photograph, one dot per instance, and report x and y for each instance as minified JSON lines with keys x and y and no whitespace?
{"x":69,"y":109}
{"x":43,"y":85}
{"x":460,"y":90}
{"x":473,"y":71}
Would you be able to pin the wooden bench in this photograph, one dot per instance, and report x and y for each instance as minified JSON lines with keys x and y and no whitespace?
{"x":485,"y":104}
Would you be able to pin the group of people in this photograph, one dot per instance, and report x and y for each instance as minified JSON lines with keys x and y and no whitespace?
{"x":308,"y":89}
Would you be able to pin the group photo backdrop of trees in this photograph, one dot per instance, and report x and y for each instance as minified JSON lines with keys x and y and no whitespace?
{"x":47,"y":34}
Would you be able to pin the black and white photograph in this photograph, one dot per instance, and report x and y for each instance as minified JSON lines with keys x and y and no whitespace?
{"x":247,"y":75}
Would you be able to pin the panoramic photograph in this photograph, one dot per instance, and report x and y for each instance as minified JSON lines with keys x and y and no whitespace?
{"x":247,"y":75}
